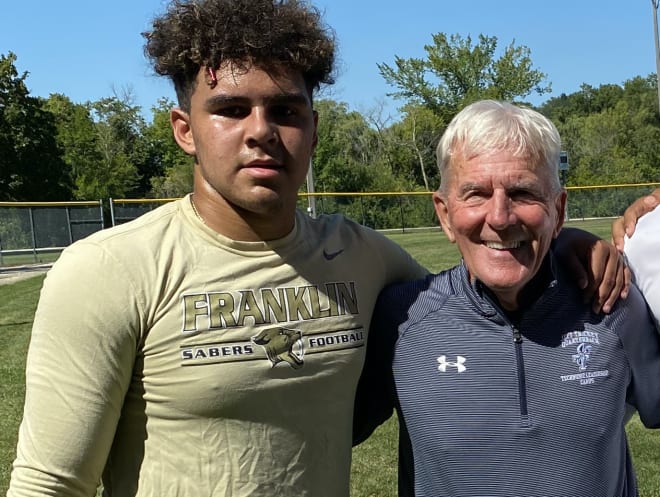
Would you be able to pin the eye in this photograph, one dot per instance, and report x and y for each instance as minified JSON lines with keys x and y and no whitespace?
{"x":284,"y":111}
{"x":233,"y":111}
{"x":475,"y":195}
{"x":523,"y":194}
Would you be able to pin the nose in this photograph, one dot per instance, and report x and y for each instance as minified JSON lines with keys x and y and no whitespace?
{"x":260,"y":129}
{"x":500,"y":212}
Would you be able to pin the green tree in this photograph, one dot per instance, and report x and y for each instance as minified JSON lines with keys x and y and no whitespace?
{"x":610,"y":132}
{"x":76,"y":137}
{"x":355,"y":155}
{"x":588,"y":100}
{"x":177,"y":170}
{"x":457,"y":72}
{"x":344,"y":151}
{"x":31,"y":166}
{"x":414,"y":141}
{"x":122,"y":150}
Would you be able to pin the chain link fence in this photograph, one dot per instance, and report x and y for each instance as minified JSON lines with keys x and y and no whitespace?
{"x":33,"y":232}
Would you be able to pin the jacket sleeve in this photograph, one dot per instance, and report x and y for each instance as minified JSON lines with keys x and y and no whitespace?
{"x":80,"y":361}
{"x":641,"y":343}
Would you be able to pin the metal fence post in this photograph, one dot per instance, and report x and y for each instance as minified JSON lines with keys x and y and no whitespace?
{"x":101,"y":213}
{"x":364,"y":216}
{"x":112,"y":211}
{"x":32,"y":232}
{"x":68,"y":223}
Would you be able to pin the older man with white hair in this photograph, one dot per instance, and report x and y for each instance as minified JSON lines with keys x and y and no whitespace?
{"x":506,"y":383}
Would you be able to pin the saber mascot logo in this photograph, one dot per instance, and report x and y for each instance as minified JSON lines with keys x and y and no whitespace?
{"x":282,"y":345}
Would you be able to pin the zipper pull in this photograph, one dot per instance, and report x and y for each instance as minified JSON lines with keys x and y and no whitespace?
{"x":517,"y":336}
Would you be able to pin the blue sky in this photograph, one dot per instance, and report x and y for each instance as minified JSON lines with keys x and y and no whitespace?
{"x":85,"y":48}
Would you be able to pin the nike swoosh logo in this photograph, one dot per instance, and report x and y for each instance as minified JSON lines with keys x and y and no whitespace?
{"x":331,"y":255}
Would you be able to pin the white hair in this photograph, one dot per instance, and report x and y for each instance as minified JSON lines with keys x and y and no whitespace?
{"x":490,"y":126}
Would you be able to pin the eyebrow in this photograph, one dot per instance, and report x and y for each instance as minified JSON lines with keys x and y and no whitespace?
{"x":468,"y":187}
{"x":279,"y":99}
{"x":521,"y":185}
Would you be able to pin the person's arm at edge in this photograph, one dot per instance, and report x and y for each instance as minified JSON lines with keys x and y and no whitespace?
{"x":598,"y":267}
{"x":77,"y":373}
{"x":641,"y":344}
{"x":625,"y":225}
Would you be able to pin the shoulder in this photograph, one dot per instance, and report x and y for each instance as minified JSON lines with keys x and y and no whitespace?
{"x":634,"y":304}
{"x":327,"y":225}
{"x":139,"y":227}
{"x":430,"y":286}
{"x":145,"y":231}
{"x":365,"y":245}
{"x":417,"y":298}
{"x":122,"y":250}
{"x":630,"y":316}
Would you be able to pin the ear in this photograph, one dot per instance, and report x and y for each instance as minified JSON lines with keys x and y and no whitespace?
{"x":182,"y":130}
{"x":442,"y":212}
{"x":560,"y":206}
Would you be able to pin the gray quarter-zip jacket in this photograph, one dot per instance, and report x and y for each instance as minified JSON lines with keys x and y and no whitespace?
{"x":494,"y":405}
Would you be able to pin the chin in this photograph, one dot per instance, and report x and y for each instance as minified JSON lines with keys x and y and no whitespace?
{"x":505,"y":283}
{"x":267,"y":208}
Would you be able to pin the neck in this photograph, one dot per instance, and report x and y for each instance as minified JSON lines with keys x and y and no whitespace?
{"x":516,"y":304}
{"x":238,"y":224}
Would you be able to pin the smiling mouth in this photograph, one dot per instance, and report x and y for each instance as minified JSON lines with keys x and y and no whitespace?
{"x":504,"y":245}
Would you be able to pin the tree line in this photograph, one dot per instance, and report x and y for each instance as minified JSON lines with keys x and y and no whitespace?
{"x":56,"y":149}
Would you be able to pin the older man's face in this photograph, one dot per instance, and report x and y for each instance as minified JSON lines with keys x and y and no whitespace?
{"x":502,"y":213}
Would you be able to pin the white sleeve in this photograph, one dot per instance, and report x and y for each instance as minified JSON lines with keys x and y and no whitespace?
{"x":643,"y":254}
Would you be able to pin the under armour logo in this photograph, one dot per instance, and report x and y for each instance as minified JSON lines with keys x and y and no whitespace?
{"x":459,"y":364}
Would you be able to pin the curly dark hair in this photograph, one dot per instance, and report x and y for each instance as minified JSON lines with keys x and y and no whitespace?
{"x":269,"y":34}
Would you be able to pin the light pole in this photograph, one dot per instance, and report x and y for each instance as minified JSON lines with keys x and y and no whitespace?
{"x":311,"y":209}
{"x":655,"y":4}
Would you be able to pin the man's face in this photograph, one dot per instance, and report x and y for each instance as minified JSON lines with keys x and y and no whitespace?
{"x":502,"y":214}
{"x":252,"y":136}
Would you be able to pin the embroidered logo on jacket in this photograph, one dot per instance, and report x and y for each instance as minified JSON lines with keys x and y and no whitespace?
{"x":458,"y":364}
{"x":581,"y":358}
{"x":282,"y":344}
{"x":585,"y":343}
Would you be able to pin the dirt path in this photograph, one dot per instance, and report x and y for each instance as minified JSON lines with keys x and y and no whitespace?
{"x":16,"y":273}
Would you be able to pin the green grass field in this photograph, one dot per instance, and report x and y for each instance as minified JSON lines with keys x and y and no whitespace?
{"x":374,"y":462}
